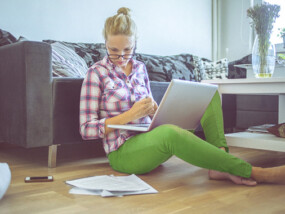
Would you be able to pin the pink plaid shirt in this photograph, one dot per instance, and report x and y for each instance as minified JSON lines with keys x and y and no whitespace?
{"x":107,"y":92}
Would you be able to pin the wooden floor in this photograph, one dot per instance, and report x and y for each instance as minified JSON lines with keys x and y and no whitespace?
{"x":182,"y":188}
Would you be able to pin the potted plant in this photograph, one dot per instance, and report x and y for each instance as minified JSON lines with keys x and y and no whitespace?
{"x":282,"y":34}
{"x":263,"y":52}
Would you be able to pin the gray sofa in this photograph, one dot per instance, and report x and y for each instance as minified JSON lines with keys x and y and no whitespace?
{"x":38,"y":109}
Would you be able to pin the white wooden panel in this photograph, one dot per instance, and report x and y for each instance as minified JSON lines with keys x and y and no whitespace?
{"x":255,"y":86}
{"x":256,"y":141}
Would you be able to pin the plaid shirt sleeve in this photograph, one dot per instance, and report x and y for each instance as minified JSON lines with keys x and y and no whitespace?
{"x":91,"y":127}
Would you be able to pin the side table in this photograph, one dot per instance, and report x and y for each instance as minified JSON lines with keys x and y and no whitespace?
{"x":261,"y":86}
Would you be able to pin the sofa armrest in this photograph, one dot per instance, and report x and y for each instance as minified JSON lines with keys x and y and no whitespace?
{"x":25,"y":88}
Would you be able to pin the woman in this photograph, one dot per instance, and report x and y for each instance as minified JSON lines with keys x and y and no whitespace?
{"x":116,"y":90}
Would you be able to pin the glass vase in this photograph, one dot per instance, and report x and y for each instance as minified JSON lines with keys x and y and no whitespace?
{"x":263,"y":57}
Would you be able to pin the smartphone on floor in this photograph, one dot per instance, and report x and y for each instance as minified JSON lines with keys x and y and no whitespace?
{"x":39,"y":179}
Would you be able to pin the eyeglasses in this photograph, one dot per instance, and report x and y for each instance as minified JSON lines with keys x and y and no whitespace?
{"x":116,"y":56}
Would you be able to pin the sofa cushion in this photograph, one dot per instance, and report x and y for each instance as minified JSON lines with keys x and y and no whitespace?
{"x":160,"y":68}
{"x":6,"y":38}
{"x":236,"y":72}
{"x":216,"y":70}
{"x":66,"y":63}
{"x":90,"y":52}
{"x":166,"y":68}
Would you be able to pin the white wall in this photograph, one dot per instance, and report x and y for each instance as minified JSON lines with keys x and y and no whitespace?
{"x":166,"y":27}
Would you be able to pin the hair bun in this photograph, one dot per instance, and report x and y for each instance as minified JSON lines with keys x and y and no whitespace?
{"x":124,"y":10}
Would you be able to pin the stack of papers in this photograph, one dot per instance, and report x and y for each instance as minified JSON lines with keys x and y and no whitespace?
{"x":108,"y":186}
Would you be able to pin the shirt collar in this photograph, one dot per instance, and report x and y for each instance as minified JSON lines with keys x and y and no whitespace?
{"x":111,"y":66}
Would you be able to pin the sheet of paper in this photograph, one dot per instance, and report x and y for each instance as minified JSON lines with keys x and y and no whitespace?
{"x":105,"y":193}
{"x":108,"y":186}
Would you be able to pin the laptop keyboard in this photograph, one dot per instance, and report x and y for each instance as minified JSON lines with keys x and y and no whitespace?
{"x":141,"y":125}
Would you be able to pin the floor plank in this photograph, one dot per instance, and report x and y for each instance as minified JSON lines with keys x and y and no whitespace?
{"x":183,"y":188}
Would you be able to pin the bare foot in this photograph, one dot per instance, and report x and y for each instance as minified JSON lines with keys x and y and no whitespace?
{"x":216,"y":175}
{"x":269,"y":175}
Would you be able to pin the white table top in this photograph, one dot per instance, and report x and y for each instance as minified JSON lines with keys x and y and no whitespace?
{"x":246,"y":80}
{"x":250,"y":85}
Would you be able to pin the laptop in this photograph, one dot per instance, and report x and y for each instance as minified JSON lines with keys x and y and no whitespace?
{"x":183,"y":104}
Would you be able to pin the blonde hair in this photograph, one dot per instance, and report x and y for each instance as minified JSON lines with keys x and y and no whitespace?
{"x":120,"y":24}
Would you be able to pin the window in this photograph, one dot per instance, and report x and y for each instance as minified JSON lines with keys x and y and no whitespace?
{"x":280,"y":22}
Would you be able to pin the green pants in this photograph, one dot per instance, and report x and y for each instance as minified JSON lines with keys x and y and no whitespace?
{"x":146,"y":151}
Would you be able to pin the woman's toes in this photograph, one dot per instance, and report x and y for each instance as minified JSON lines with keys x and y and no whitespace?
{"x":248,"y":182}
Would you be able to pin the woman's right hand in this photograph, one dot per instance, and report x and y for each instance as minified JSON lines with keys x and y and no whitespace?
{"x":143,"y":108}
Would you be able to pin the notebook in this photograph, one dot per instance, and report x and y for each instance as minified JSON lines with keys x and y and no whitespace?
{"x":183,"y":104}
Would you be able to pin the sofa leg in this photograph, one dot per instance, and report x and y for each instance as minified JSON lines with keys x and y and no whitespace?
{"x":52,"y":150}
